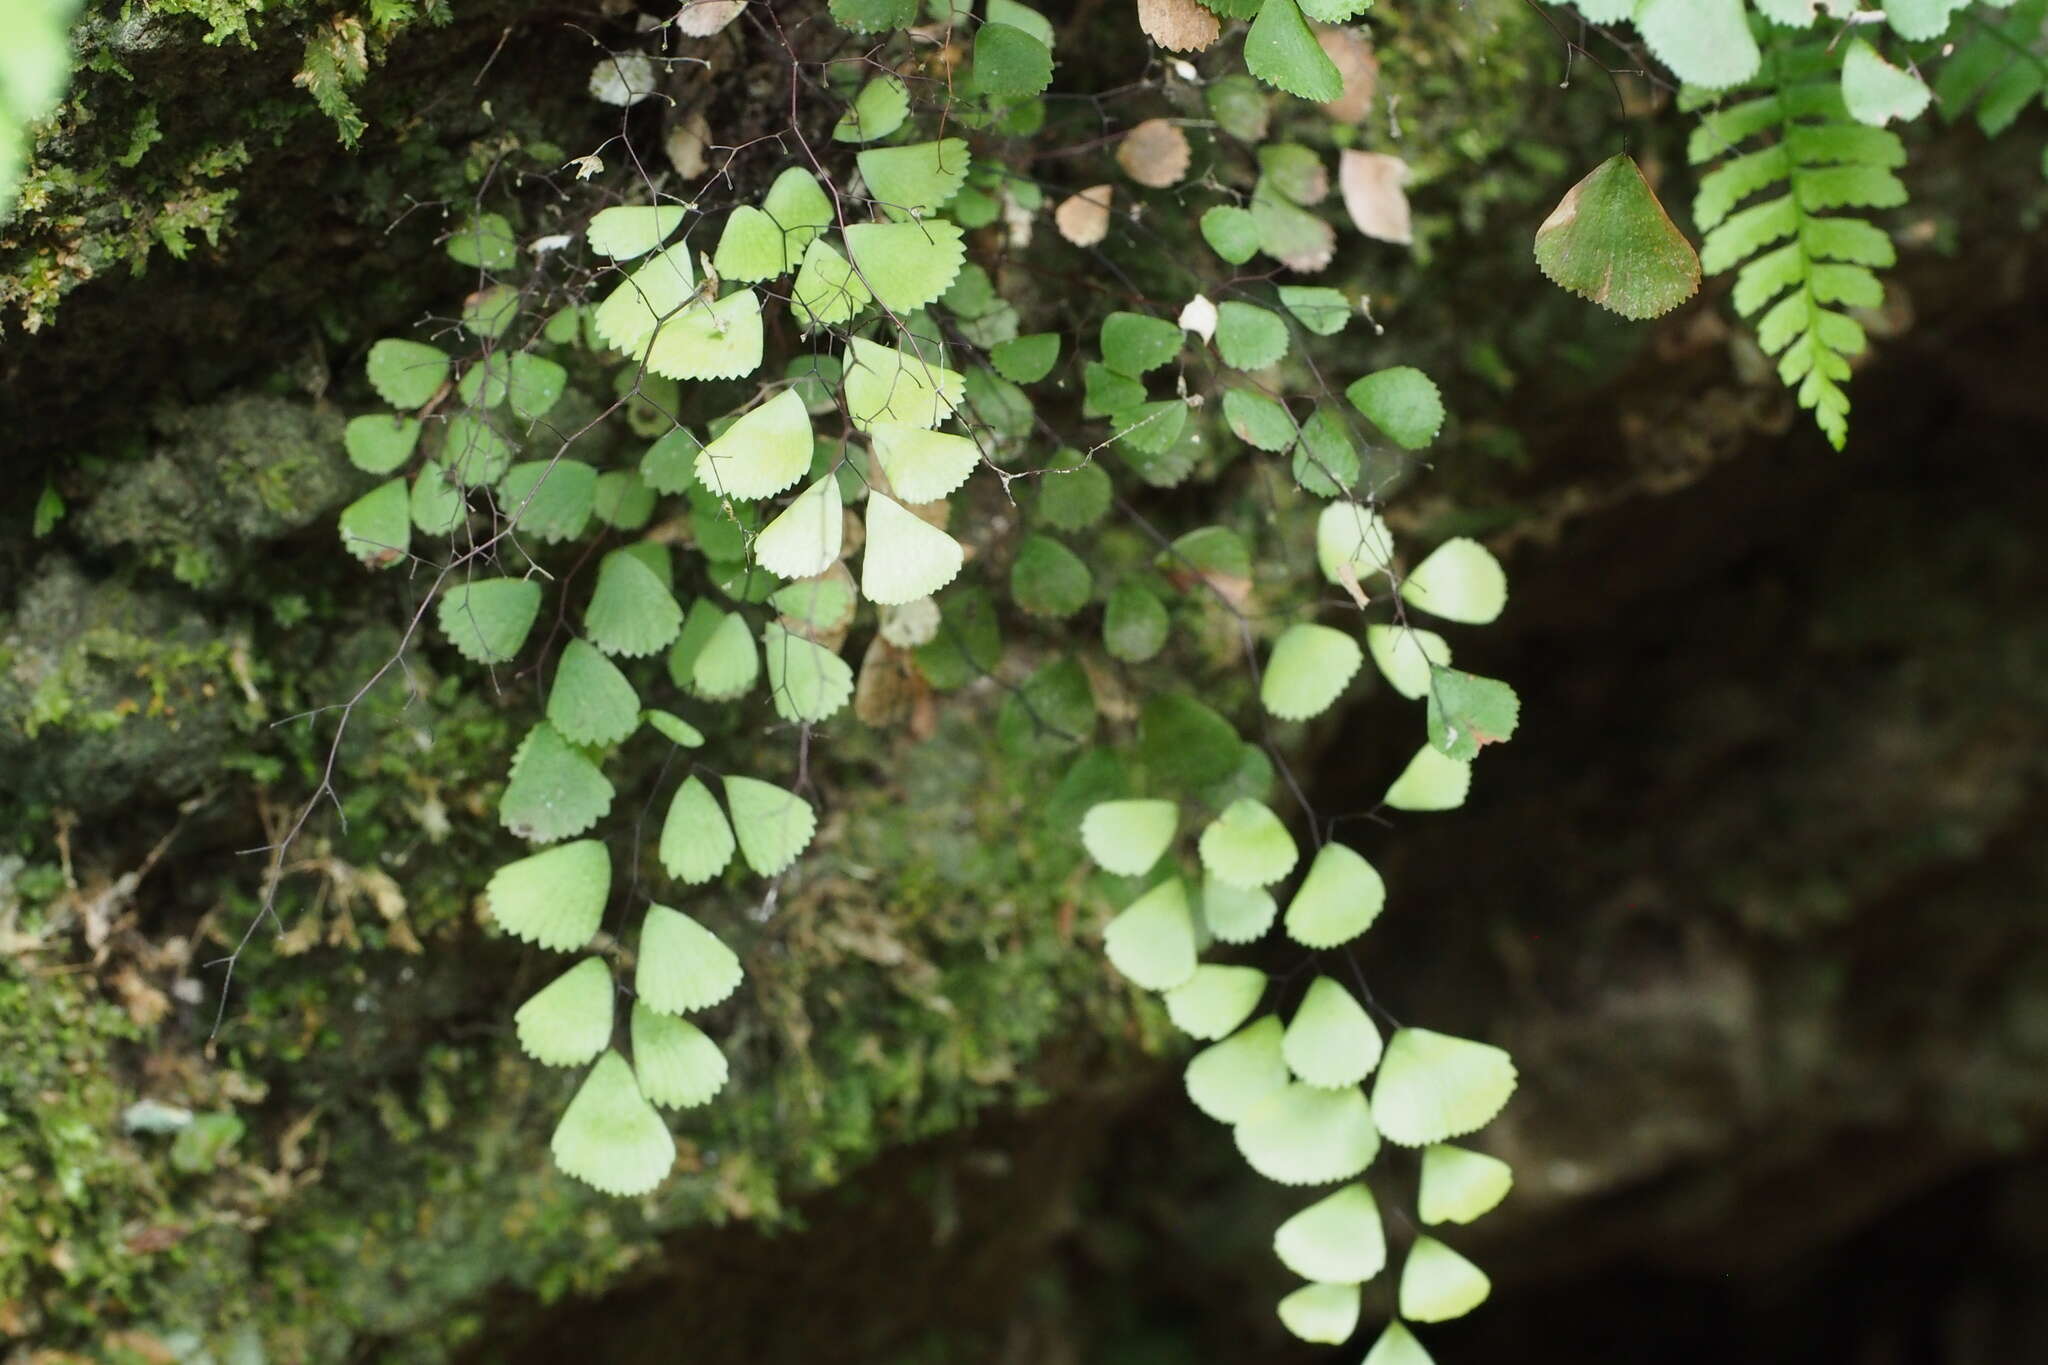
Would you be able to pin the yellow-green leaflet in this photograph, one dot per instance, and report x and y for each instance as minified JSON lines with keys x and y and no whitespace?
{"x":625,"y":231}
{"x":1350,"y":537}
{"x":631,"y":611}
{"x":682,"y":966}
{"x":1127,"y":837}
{"x":1336,"y":1240}
{"x":710,"y":339}
{"x":828,"y":290}
{"x":1331,"y":1041}
{"x":555,"y":791}
{"x":922,"y":465}
{"x":696,"y":842}
{"x":591,"y":702}
{"x":1152,"y":942}
{"x":1325,"y":1313}
{"x":1403,"y":655}
{"x":879,"y":110}
{"x":487,"y":619}
{"x":1215,"y":1000}
{"x":1460,"y":1185}
{"x":629,"y":315}
{"x":1338,"y":900}
{"x":906,"y":265}
{"x":911,"y":181}
{"x":728,"y":664}
{"x":1433,"y":1087}
{"x":1438,"y":1284}
{"x":805,"y":537}
{"x":1308,"y":670}
{"x":764,"y":452}
{"x":555,"y":898}
{"x":906,"y":556}
{"x":377,"y":527}
{"x":773,"y":825}
{"x":1247,"y":845}
{"x":908,"y":386}
{"x":1430,"y":782}
{"x":678,"y":1067}
{"x":1397,"y":1346}
{"x":808,"y":682}
{"x":1236,"y":914}
{"x":1303,"y":1135}
{"x":1228,"y":1080}
{"x":753,"y":248}
{"x":569,"y":1020}
{"x":610,"y":1137}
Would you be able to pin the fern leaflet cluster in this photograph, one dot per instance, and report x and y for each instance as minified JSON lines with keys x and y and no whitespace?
{"x":1780,"y":208}
{"x":1998,"y":67}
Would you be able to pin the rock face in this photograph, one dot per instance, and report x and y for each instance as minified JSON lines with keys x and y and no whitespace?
{"x":1754,"y":896}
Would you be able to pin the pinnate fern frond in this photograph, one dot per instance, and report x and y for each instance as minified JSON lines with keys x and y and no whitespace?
{"x":1999,"y":66}
{"x":1780,"y":207}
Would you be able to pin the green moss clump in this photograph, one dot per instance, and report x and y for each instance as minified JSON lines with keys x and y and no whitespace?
{"x":228,"y":476}
{"x":77,"y":1194}
{"x":107,"y":692}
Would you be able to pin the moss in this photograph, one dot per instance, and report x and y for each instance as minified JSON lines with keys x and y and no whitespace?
{"x":107,"y":692}
{"x":226,"y":478}
{"x":897,"y":993}
{"x":76,"y":1194}
{"x":110,"y":184}
{"x":912,"y":977}
{"x":257,"y":85}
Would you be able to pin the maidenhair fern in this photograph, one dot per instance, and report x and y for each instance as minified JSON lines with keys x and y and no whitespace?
{"x":843,"y":440}
{"x":1295,"y":1090}
{"x":855,"y":481}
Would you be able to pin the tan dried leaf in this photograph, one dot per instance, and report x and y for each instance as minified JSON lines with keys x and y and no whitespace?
{"x":1178,"y":25}
{"x":689,"y":146}
{"x":1155,"y":153}
{"x":1232,"y":588}
{"x":890,"y":688}
{"x":1352,"y":54}
{"x":855,"y":534}
{"x":1017,"y":221}
{"x":383,"y":890}
{"x":938,"y":512}
{"x":384,"y":893}
{"x":145,"y":1004}
{"x":1083,"y":217}
{"x":702,"y":18}
{"x":1113,"y":701}
{"x":914,"y":623}
{"x":291,"y":1144}
{"x":1347,"y":578}
{"x":302,"y":937}
{"x":1373,"y":195}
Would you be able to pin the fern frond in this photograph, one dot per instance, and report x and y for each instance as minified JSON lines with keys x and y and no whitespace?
{"x":1770,"y":213}
{"x":337,"y":59}
{"x":1999,"y":66}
